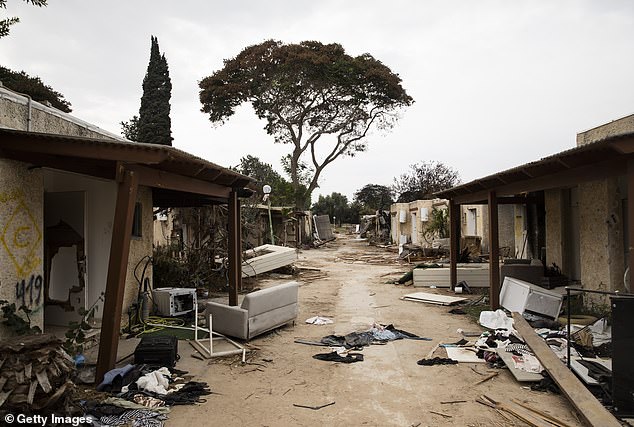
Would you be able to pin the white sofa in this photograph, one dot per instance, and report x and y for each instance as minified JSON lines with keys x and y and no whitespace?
{"x":260,"y":311}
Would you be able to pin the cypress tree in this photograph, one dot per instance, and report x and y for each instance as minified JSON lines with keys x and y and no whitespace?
{"x":154,"y":124}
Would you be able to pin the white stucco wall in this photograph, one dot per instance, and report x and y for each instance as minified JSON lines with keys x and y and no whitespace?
{"x":100,"y":196}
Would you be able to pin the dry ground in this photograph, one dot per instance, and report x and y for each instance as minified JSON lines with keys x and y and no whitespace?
{"x":387,"y":388}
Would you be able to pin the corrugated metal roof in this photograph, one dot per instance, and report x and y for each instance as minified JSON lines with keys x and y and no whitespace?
{"x":574,"y":158}
{"x":165,"y":158}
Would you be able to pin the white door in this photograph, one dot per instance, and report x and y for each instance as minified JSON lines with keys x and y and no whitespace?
{"x":472,"y":222}
{"x":414,"y":229}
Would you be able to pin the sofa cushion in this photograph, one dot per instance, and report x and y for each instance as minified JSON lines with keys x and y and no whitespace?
{"x":272,"y":319}
{"x":264,"y":300}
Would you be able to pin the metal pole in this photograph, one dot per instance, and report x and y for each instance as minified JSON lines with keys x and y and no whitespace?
{"x":271,"y":222}
{"x":568,"y":334}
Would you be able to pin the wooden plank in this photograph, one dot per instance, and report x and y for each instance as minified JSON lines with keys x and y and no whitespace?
{"x":42,"y":378}
{"x":117,"y":269}
{"x":166,"y":180}
{"x":272,"y":257}
{"x":521,"y":376}
{"x":494,"y":256}
{"x":235,"y":249}
{"x":587,"y":405}
{"x":432,"y":298}
{"x":463,"y":354}
{"x":454,"y":241}
{"x":630,"y":214}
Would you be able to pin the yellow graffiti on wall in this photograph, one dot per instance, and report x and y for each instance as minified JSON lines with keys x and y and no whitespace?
{"x":21,"y":235}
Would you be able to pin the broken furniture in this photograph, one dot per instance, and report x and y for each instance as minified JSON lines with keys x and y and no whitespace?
{"x":209,"y":353}
{"x":590,"y":409}
{"x":266,"y":258}
{"x":622,"y":348}
{"x":520,"y":296}
{"x":260,"y":311}
{"x":531,"y":271}
{"x":323,"y":228}
{"x":171,"y":302}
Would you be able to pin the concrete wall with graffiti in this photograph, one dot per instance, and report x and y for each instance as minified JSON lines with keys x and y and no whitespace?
{"x":21,"y":239}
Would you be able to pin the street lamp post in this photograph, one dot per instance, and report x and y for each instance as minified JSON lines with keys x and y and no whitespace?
{"x":267,"y":196}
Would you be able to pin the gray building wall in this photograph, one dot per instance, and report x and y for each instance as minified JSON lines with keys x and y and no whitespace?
{"x":617,"y":127}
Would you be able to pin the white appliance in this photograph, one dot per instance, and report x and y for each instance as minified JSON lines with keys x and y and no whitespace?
{"x":520,"y":296}
{"x":172,"y":302}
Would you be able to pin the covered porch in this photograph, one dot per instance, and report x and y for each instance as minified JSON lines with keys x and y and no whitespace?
{"x":174,"y":178}
{"x":603,"y":174}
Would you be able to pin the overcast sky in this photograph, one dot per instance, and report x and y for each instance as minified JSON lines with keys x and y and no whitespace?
{"x":496,"y":83}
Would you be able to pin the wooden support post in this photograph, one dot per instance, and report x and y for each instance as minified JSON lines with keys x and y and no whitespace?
{"x":587,"y":405}
{"x":494,"y":253}
{"x":454,"y":242}
{"x":630,"y":215}
{"x":117,"y":269}
{"x":235,"y":248}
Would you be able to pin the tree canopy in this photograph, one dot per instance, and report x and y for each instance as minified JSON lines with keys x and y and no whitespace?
{"x":374,"y":197}
{"x":130,"y":129}
{"x":34,"y":87}
{"x":308,"y":92}
{"x":423,"y":180}
{"x":154,"y":125}
{"x":5,"y":24}
{"x":336,"y":206}
{"x":282,"y":190}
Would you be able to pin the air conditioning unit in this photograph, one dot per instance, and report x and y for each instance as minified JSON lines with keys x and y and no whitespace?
{"x":172,"y":302}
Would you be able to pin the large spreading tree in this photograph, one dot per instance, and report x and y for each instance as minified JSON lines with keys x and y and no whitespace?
{"x":153,"y":124}
{"x":313,"y":96}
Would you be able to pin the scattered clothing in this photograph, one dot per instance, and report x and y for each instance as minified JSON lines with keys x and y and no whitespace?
{"x":318,"y":320}
{"x":376,"y":334}
{"x":156,"y":381}
{"x":148,"y":402}
{"x":336,"y":357}
{"x":135,"y":418}
{"x":437,"y":361}
{"x":123,"y":405}
{"x":518,"y":349}
{"x":496,"y":320}
{"x":113,"y":375}
{"x":352,"y":340}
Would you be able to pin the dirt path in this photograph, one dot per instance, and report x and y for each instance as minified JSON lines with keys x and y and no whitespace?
{"x":387,"y":388}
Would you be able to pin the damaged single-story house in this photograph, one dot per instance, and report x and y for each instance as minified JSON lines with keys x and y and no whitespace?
{"x":579,"y":207}
{"x":76,"y":214}
{"x":292,"y":228}
{"x":410,"y":221}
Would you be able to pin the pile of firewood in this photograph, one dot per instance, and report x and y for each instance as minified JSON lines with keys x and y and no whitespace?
{"x":35,"y":373}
